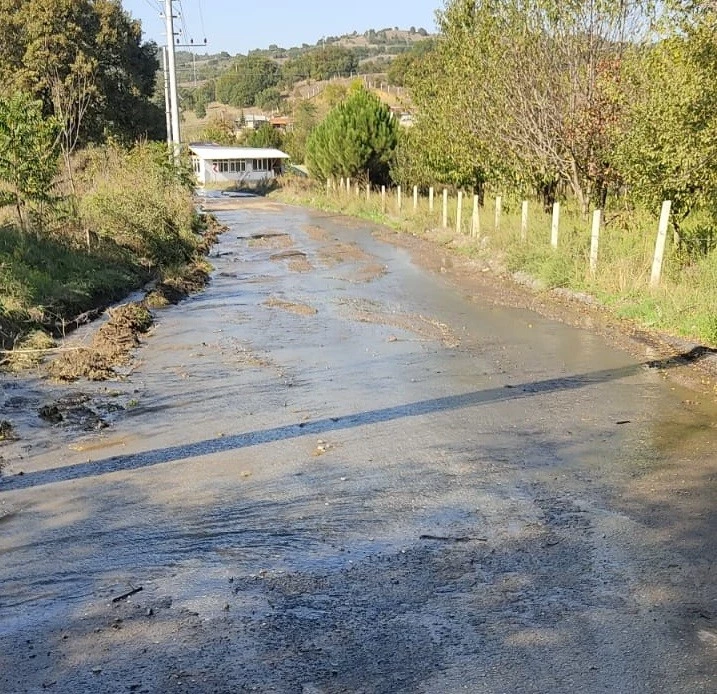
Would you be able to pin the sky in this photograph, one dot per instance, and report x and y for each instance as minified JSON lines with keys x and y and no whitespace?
{"x":237,"y":26}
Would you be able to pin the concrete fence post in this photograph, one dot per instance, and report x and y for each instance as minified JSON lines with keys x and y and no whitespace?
{"x":498,"y":211}
{"x":415,"y":198}
{"x":555,"y":226}
{"x":459,"y":213}
{"x":524,"y":222}
{"x":445,"y":208}
{"x":594,"y":241}
{"x":368,"y":192}
{"x":383,"y":199}
{"x":398,"y":199}
{"x":475,"y":221}
{"x":430,"y":199}
{"x":660,"y":244}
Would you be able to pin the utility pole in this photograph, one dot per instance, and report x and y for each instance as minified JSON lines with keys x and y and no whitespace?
{"x":173,"y":96}
{"x":167,"y":100}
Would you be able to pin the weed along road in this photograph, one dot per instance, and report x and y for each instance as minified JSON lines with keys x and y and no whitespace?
{"x":336,"y":471}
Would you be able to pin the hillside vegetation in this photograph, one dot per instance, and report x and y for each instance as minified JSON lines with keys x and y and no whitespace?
{"x":267,"y":78}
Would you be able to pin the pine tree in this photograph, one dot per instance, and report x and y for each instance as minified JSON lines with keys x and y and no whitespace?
{"x":357,"y":138}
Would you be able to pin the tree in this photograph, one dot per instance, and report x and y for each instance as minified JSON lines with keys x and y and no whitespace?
{"x":249,"y":77}
{"x":269,"y":99}
{"x":28,"y":154}
{"x":86,"y":61}
{"x":320,"y":64}
{"x":220,"y":130}
{"x":305,"y":119}
{"x":667,"y":139}
{"x":357,"y":138}
{"x":525,"y":89}
{"x":407,"y":62}
{"x":265,"y":136}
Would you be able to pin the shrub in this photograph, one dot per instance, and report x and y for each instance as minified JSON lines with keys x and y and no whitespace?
{"x":140,"y":200}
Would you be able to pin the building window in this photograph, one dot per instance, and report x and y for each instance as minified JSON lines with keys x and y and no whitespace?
{"x":237,"y":165}
{"x":260,"y":165}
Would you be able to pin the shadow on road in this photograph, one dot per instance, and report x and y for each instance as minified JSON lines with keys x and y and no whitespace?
{"x":323,"y":426}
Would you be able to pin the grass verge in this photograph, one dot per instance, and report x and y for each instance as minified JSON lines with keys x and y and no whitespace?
{"x":133,"y":221}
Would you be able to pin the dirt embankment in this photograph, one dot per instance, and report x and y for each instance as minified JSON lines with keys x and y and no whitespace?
{"x":112,"y":343}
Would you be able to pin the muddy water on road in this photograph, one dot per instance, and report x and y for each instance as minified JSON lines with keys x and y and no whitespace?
{"x":334,"y":472}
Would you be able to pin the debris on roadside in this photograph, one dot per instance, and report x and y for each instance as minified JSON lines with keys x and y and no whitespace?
{"x":7,"y":431}
{"x":128,"y":594}
{"x":110,"y":347}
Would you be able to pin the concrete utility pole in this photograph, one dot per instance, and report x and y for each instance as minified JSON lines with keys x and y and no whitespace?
{"x":167,"y":100}
{"x":173,"y":96}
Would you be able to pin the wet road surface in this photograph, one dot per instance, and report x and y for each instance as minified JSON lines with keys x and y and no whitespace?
{"x":335,"y":472}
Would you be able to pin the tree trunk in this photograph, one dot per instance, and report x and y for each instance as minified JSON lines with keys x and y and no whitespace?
{"x":21,"y":219}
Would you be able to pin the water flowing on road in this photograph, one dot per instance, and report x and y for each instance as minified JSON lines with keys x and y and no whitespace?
{"x":335,"y":471}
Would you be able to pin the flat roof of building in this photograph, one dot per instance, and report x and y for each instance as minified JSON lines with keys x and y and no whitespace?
{"x":204,"y":151}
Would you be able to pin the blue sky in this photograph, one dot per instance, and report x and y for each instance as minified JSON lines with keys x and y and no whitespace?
{"x":237,"y":26}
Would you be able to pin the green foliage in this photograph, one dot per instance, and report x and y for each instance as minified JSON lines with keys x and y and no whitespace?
{"x":86,"y":60}
{"x":219,"y":131}
{"x":522,"y":93}
{"x":305,"y":120}
{"x":28,"y":154}
{"x":265,"y":136}
{"x":320,"y":64}
{"x":46,"y":279}
{"x":667,"y":143}
{"x":407,"y":63}
{"x":269,"y":99}
{"x":250,"y":76}
{"x":357,"y":138}
{"x":334,"y":94}
{"x":141,"y":202}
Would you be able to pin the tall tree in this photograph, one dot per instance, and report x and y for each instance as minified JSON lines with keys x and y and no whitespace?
{"x":524,"y":88}
{"x":85,"y":59}
{"x":667,"y":139}
{"x":357,"y":138}
{"x":249,"y":76}
{"x":305,"y":120}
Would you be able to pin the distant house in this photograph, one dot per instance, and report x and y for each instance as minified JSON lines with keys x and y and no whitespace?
{"x":283,"y":123}
{"x":251,"y":121}
{"x":220,"y":164}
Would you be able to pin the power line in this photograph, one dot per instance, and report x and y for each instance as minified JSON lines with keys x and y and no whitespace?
{"x":156,"y":5}
{"x":201,"y":20}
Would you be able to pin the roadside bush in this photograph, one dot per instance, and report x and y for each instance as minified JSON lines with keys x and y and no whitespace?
{"x":140,"y":201}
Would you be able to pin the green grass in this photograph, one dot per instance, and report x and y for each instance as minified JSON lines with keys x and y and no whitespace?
{"x":139,"y":215}
{"x":44,"y":281}
{"x":684,"y":304}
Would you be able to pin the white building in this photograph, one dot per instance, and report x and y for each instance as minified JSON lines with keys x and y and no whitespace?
{"x":220,"y":164}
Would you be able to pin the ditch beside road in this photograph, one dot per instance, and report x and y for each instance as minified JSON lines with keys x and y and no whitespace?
{"x":335,"y":470}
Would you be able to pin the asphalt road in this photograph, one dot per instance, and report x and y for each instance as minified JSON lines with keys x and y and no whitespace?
{"x":334,"y":471}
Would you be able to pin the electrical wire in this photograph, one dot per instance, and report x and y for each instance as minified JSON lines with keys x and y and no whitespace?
{"x":156,"y":6}
{"x":201,"y":21}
